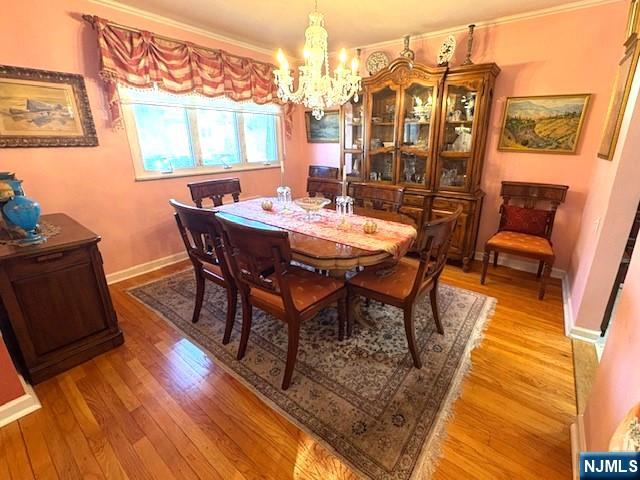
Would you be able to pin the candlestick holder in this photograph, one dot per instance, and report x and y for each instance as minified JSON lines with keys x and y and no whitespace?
{"x":467,"y":60}
{"x":284,"y":198}
{"x":344,"y":208}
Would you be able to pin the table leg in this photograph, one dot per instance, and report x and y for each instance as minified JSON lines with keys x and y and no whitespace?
{"x":356,"y":315}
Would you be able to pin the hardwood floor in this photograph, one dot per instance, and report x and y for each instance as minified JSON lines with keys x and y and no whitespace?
{"x":159,"y":407}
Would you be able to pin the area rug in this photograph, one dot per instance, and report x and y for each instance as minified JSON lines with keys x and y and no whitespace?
{"x":362,"y":398}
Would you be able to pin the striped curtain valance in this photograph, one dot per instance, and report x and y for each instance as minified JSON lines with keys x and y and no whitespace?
{"x":144,"y":60}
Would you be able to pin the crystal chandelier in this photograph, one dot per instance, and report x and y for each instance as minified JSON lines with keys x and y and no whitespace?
{"x":318,"y":90}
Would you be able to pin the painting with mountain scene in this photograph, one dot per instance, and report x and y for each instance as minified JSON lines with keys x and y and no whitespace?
{"x":545,"y":124}
{"x":39,"y":108}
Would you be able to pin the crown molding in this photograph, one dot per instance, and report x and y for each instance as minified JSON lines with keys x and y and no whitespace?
{"x":567,"y":7}
{"x":115,"y":5}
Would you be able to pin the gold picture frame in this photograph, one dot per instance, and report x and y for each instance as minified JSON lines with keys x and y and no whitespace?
{"x":39,"y":108}
{"x":619,"y":98}
{"x":543,"y":123}
{"x":325,"y":130}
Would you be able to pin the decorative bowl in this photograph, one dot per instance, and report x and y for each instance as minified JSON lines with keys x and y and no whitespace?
{"x":312,"y":204}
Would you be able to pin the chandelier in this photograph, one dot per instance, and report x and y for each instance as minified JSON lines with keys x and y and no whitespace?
{"x":318,"y":90}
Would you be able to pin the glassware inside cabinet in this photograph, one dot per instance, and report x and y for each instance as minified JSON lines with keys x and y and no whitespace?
{"x":453,"y":172}
{"x":353,"y":165}
{"x":418,"y":107}
{"x":381,"y":167}
{"x":459,"y":116}
{"x":413,"y":168}
{"x":353,"y":125}
{"x":383,"y":109}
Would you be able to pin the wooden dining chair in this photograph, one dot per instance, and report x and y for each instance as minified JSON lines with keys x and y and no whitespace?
{"x":215,"y":190}
{"x":525,"y":228}
{"x":406,"y":282}
{"x":260,"y":260}
{"x":197,"y":228}
{"x":379,"y":197}
{"x":320,"y":171}
{"x":326,"y":187}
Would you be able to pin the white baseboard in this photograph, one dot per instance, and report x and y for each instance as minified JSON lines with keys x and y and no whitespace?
{"x":566,"y":305}
{"x":578,"y":444}
{"x":146,"y":267}
{"x":21,"y":406}
{"x":518,"y":263}
{"x":584,"y":334}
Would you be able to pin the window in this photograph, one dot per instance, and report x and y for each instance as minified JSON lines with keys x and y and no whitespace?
{"x":176,"y":135}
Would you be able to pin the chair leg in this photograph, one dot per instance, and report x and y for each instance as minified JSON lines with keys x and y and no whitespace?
{"x":199,"y":296}
{"x":485,"y":265}
{"x":232,"y":305}
{"x":247,"y":314}
{"x":546,"y":273}
{"x":350,"y":298}
{"x":342,"y":316}
{"x":293,"y":328}
{"x":540,"y":268}
{"x":433,"y":295}
{"x":495,"y":259}
{"x":411,"y":336}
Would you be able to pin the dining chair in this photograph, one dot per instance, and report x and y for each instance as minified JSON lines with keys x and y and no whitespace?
{"x":320,"y":171}
{"x":404,"y":283}
{"x":260,"y":260}
{"x":197,"y":226}
{"x":379,"y":197}
{"x":525,"y":228}
{"x":327,"y":187}
{"x":215,"y":190}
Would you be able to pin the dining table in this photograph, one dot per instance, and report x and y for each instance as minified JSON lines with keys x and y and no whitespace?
{"x":333,"y":243}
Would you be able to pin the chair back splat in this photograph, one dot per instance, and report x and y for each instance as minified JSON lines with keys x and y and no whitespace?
{"x":215,"y":190}
{"x":326,"y":187}
{"x":379,"y":197}
{"x":320,"y":171}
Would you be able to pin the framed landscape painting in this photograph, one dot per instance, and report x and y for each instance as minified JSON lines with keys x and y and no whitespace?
{"x":39,"y":108}
{"x":325,"y":130}
{"x":544,"y":124}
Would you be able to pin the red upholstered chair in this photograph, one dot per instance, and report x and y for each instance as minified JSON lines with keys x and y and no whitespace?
{"x":524,"y":229}
{"x":259,"y":257}
{"x":202,"y":238}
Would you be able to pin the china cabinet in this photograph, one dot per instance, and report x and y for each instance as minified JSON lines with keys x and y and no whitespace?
{"x":424,"y":128}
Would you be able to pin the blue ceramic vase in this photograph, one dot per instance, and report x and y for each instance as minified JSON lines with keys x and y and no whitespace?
{"x":25,"y":213}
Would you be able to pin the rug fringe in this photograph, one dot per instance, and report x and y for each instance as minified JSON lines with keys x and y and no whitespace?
{"x":432,"y":449}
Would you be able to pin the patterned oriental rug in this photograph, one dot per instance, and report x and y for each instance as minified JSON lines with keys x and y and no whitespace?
{"x":361,"y":398}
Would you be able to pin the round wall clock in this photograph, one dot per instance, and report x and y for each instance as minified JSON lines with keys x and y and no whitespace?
{"x":376,"y":62}
{"x":447,"y":49}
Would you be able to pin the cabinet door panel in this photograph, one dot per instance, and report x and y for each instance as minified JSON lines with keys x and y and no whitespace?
{"x":457,"y":241}
{"x":61,"y":307}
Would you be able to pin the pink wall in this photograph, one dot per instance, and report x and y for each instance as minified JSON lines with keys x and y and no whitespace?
{"x":96,"y":185}
{"x":570,"y":52}
{"x":10,"y":386}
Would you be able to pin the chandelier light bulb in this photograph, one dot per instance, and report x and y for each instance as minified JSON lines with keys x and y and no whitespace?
{"x":343,"y":56}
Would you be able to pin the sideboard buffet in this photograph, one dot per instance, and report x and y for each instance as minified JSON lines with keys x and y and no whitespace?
{"x":424,"y":128}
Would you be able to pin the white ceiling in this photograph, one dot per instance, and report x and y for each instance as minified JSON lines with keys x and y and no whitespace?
{"x":279,"y":23}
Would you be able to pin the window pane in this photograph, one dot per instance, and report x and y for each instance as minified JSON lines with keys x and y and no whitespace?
{"x":163,"y":136}
{"x":217,"y":131}
{"x":260,"y":137}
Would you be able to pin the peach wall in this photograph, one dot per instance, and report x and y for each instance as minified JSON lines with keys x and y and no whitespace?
{"x":10,"y":386}
{"x":569,"y":52}
{"x":96,"y":185}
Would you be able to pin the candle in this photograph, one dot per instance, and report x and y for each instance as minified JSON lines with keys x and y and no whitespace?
{"x":282,"y":172}
{"x":344,"y":181}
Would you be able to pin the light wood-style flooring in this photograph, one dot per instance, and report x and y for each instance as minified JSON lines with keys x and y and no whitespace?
{"x":158,"y":407}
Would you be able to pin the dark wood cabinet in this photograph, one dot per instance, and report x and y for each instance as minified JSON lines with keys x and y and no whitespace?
{"x":424,"y":128}
{"x":58,"y":306}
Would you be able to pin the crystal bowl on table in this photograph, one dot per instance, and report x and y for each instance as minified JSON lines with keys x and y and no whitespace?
{"x":312,"y":204}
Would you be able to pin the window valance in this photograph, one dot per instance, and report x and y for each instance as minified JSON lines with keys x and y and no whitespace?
{"x":144,"y":60}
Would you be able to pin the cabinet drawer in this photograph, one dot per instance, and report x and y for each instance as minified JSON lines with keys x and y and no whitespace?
{"x":457,"y":241}
{"x":449,"y":204}
{"x":413,"y":200}
{"x":47,"y":262}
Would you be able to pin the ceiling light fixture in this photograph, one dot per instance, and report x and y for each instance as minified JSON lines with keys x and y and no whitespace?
{"x":317,"y":90}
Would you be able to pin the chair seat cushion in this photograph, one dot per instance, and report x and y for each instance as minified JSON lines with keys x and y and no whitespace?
{"x":307,"y":288}
{"x":521,"y":242}
{"x":392,"y":279}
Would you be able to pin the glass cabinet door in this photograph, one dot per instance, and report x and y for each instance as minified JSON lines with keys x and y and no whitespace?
{"x":353,"y":165}
{"x":458,"y":135}
{"x":353,"y":125}
{"x":382,"y":135}
{"x":418,"y":106}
